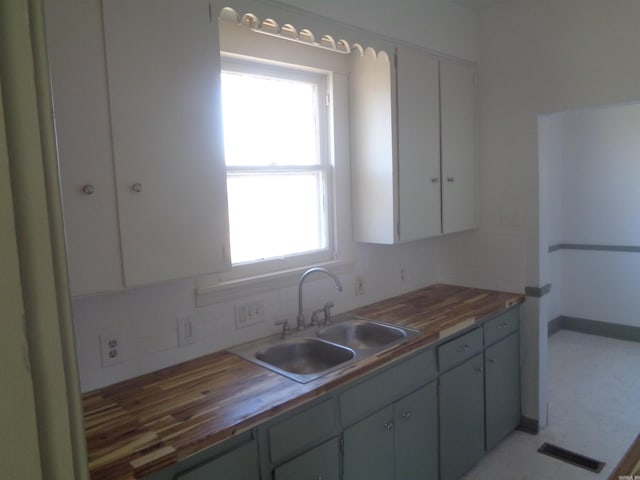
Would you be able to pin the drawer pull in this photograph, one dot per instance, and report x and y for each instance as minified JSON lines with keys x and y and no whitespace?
{"x":463,"y":348}
{"x":479,"y":369}
{"x":491,"y":360}
{"x":407,"y":415}
{"x":502,"y":325}
{"x":319,"y":477}
{"x":388,"y":425}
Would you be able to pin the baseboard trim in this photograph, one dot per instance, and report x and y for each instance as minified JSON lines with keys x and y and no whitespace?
{"x":555,"y":325}
{"x":594,"y":327}
{"x":528,"y":425}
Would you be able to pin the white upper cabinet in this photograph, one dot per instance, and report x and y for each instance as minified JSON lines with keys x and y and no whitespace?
{"x":373,"y":171}
{"x":418,"y":145}
{"x":159,"y":162}
{"x":413,"y":146}
{"x":163,"y":66}
{"x":458,"y":120}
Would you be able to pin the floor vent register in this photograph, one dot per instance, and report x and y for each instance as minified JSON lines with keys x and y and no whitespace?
{"x":571,"y":457}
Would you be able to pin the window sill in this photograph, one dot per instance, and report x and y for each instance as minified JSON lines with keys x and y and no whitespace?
{"x":209,"y":292}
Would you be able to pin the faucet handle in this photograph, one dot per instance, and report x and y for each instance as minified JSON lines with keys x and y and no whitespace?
{"x":314,"y":317}
{"x":286,"y":330}
{"x":327,"y":312}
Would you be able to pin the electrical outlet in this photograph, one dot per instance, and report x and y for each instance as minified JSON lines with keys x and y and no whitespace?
{"x":110,"y":349}
{"x":359,"y":285}
{"x":249,"y":313}
{"x":186,"y":330}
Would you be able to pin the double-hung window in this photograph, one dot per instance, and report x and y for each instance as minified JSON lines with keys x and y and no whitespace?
{"x":279,"y":174}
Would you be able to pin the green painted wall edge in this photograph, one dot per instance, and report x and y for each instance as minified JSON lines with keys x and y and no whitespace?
{"x":595,"y":327}
{"x":594,"y":248}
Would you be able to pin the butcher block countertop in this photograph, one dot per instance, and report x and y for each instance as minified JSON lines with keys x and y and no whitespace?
{"x":141,"y":425}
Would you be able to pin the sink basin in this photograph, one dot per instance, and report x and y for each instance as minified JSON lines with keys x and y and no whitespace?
{"x":307,"y":355}
{"x":362,"y":334}
{"x":304,"y":355}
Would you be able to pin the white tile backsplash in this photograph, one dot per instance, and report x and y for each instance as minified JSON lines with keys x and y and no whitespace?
{"x":146,"y":317}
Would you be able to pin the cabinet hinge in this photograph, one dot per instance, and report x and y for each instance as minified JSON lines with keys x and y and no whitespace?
{"x":398,"y":229}
{"x":342,"y":445}
{"x":210,"y":14}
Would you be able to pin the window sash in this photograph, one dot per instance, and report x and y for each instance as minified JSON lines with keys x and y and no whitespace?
{"x":324,"y":168}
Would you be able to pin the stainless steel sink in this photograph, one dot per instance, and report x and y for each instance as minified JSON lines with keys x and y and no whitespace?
{"x":360,"y":333}
{"x":299,"y":358}
{"x":304,"y":355}
{"x":314,"y":352}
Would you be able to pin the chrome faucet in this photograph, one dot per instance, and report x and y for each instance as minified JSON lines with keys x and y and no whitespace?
{"x":300,"y":320}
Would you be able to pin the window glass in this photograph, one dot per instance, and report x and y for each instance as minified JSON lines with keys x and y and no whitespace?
{"x":277,"y":173}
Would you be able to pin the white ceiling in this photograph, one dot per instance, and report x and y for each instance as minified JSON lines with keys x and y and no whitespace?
{"x":477,"y":5}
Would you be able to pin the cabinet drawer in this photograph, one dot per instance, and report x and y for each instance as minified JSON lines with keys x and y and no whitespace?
{"x":386,"y":387}
{"x":459,"y":349}
{"x":238,"y":464}
{"x":302,"y":430}
{"x":501,"y":326}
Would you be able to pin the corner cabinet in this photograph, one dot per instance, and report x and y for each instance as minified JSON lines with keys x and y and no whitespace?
{"x":413,"y":125}
{"x":155,"y":208}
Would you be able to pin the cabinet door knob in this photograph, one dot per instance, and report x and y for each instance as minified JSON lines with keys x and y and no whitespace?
{"x":88,"y":189}
{"x":407,"y":415}
{"x":136,"y":187}
{"x":319,"y":477}
{"x":479,"y":369}
{"x":435,"y":180}
{"x":491,"y":360}
{"x":463,"y":348}
{"x":502,"y":325}
{"x":388,"y":425}
{"x":450,"y":179}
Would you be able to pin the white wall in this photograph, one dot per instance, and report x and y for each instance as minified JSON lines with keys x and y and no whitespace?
{"x":145,"y":317}
{"x":435,"y":24}
{"x":539,"y":57}
{"x":595,"y":174}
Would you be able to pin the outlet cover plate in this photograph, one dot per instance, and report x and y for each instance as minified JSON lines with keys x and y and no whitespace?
{"x":111,"y":349}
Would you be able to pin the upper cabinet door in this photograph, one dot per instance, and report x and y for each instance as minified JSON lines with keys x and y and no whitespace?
{"x":458,"y":123}
{"x":418,"y":144}
{"x":79,"y":87}
{"x":163,"y":68}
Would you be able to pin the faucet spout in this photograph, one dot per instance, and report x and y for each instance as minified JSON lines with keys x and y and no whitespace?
{"x":300,"y":320}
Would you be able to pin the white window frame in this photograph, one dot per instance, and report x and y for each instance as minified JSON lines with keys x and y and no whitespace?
{"x":325,"y":167}
{"x":241,"y":282}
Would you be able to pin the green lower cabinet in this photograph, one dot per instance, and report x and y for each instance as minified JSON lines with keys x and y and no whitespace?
{"x":368,"y":447}
{"x":502,"y":386}
{"x":461,"y":418}
{"x":319,"y":463}
{"x":417,"y":435}
{"x":398,"y":442}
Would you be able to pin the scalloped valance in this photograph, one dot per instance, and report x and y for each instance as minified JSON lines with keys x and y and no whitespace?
{"x":287,"y":31}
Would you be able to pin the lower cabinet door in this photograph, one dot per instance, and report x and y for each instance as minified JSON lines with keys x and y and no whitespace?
{"x":502,"y":383}
{"x":417,"y":435}
{"x":369,"y":447}
{"x":238,"y":464}
{"x":319,"y":463}
{"x":461,"y":418}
